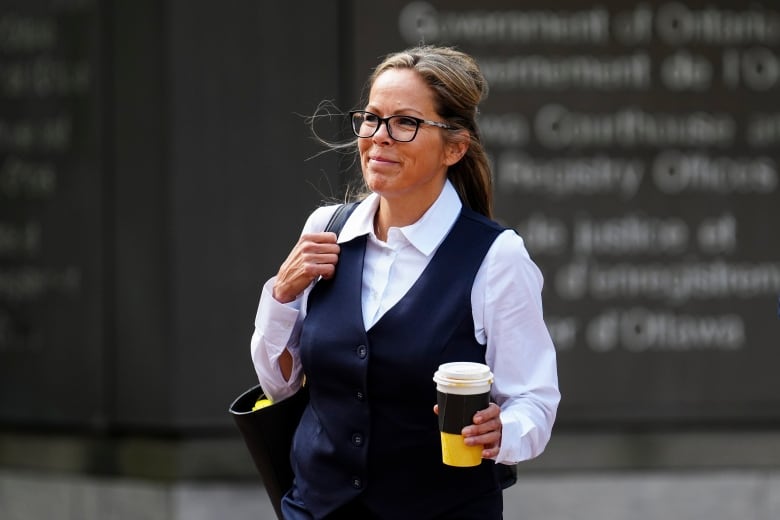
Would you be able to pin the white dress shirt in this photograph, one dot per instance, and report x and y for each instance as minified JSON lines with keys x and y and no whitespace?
{"x":505,"y":300}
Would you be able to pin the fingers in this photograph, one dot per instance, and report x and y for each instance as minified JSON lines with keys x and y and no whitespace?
{"x":318,"y":255}
{"x":486,"y":431}
{"x":311,"y":245}
{"x":315,"y":255}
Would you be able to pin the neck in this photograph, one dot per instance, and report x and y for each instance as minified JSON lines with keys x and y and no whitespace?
{"x":396,"y":214}
{"x":404,"y":209}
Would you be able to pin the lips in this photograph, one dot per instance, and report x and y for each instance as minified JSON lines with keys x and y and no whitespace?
{"x":379,"y":159}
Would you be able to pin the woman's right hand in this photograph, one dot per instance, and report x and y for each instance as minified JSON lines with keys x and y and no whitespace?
{"x":315,"y":255}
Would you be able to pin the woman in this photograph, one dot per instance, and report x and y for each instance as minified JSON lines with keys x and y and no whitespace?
{"x":424,"y":277}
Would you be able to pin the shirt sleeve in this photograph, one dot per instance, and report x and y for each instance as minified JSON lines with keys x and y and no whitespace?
{"x":507,"y":306}
{"x":278,"y":327}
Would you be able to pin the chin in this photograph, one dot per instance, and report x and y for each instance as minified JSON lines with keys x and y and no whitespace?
{"x":376,"y":187}
{"x":375,"y":181}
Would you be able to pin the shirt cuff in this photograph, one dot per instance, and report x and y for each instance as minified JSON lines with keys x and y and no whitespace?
{"x":276,"y":320}
{"x":516,"y":434}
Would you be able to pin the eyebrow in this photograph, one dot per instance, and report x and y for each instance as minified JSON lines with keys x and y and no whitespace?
{"x":372,"y":108}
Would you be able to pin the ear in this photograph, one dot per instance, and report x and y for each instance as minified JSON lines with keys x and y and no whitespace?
{"x":457,"y":147}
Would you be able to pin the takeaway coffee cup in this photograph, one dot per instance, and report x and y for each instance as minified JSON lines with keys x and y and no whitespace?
{"x":462,"y":389}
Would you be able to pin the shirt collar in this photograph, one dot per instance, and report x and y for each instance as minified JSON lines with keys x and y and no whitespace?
{"x":425,"y":235}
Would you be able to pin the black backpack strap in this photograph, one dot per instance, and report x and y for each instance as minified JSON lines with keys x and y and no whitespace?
{"x":340,"y":216}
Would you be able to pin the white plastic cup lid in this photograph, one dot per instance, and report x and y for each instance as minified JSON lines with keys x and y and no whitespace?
{"x":466,"y":370}
{"x":465,"y":375}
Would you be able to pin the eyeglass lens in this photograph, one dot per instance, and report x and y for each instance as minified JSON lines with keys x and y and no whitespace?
{"x":400,"y":128}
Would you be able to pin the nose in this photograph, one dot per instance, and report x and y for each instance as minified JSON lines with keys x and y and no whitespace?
{"x":382,"y":133}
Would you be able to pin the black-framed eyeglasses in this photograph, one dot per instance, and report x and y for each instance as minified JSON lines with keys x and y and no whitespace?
{"x":400,"y":128}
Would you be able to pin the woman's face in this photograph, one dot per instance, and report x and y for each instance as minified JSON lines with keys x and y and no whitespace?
{"x":415,"y":169}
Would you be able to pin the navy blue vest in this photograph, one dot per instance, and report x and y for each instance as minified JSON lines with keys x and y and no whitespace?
{"x":369,"y":432}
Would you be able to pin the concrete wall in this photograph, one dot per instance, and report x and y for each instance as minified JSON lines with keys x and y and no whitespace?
{"x":609,"y":495}
{"x":581,"y":476}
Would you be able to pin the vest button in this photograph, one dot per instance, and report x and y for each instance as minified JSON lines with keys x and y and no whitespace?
{"x":362,"y":351}
{"x":357,"y":439}
{"x":357,"y":483}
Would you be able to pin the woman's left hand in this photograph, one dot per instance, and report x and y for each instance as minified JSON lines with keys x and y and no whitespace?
{"x":486,"y":430}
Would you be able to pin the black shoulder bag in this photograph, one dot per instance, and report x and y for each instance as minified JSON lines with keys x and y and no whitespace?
{"x":268,"y":431}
